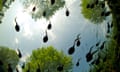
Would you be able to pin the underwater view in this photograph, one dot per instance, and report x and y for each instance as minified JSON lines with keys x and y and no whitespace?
{"x":59,"y":36}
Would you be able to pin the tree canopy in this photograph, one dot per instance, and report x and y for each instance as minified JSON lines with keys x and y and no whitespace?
{"x":93,"y":14}
{"x":7,"y":56}
{"x":0,"y":5}
{"x":48,"y":59}
{"x":46,"y":8}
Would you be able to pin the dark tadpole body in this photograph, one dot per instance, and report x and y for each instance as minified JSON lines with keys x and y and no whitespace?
{"x":112,"y":24}
{"x":103,"y":5}
{"x":108,"y":27}
{"x":34,"y":8}
{"x":23,"y":66}
{"x":92,"y":6}
{"x":97,"y":44}
{"x":49,"y":26}
{"x":9,"y":68}
{"x":44,"y":13}
{"x":52,"y":2}
{"x":17,"y":70}
{"x":89,"y":55}
{"x":28,"y":70}
{"x":77,"y":40}
{"x":97,"y":61}
{"x":19,"y":53}
{"x":45,"y":38}
{"x":38,"y":69}
{"x":102,"y":46}
{"x":67,"y":12}
{"x":78,"y":43}
{"x":77,"y":64}
{"x":17,"y":27}
{"x":105,"y":58}
{"x":60,"y":68}
{"x":108,"y":30}
{"x":96,"y":2}
{"x":71,"y":50}
{"x":93,"y":62}
{"x":1,"y":63}
{"x":107,"y":13}
{"x":88,"y":6}
{"x":103,"y":13}
{"x":0,"y":21}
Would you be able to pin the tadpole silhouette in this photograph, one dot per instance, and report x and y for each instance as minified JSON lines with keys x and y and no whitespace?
{"x":89,"y":55}
{"x":98,"y":43}
{"x":17,"y":70}
{"x":60,"y":68}
{"x":67,"y":12}
{"x":34,"y":8}
{"x":0,"y":21}
{"x":77,"y":64}
{"x":28,"y":70}
{"x":17,"y":27}
{"x":78,"y":43}
{"x":88,"y":6}
{"x":102,"y":13}
{"x":111,"y":24}
{"x":23,"y":66}
{"x":1,"y":63}
{"x":105,"y":58}
{"x":96,"y":2}
{"x":108,"y":27}
{"x":19,"y":53}
{"x":77,"y":40}
{"x":92,"y":5}
{"x":49,"y":26}
{"x":44,"y":13}
{"x":38,"y":69}
{"x":102,"y":46}
{"x":52,"y":2}
{"x":107,"y":13}
{"x":97,"y":61}
{"x":71,"y":50}
{"x":45,"y":38}
{"x":10,"y":68}
{"x":103,"y":5}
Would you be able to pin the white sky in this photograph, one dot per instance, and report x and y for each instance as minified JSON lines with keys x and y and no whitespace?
{"x":64,"y":31}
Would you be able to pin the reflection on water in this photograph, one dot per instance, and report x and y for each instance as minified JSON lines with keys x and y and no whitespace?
{"x":55,"y":36}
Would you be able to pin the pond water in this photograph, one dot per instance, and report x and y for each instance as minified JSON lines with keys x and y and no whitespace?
{"x":62,"y":34}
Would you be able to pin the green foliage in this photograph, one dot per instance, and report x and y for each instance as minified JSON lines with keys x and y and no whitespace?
{"x":8,"y":56}
{"x":109,"y":64}
{"x":42,"y":6}
{"x":0,"y":5}
{"x":48,"y":58}
{"x":94,"y":14}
